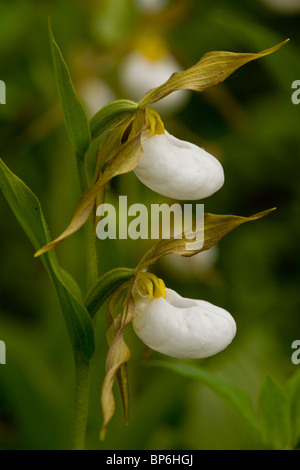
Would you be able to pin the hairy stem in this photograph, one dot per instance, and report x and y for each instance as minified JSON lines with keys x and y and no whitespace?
{"x":82,"y":367}
{"x":89,"y":229}
{"x":81,"y":404}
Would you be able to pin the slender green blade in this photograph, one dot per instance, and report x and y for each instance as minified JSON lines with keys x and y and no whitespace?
{"x":274,"y":416}
{"x":75,"y":117}
{"x":292,"y":388}
{"x":27,"y":210}
{"x":236,"y":399}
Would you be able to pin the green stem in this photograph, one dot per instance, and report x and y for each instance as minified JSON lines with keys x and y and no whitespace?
{"x":91,"y":252}
{"x":81,"y":404}
{"x":89,"y":229}
{"x":82,"y":368}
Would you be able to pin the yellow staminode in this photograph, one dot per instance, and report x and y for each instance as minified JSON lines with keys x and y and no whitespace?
{"x":154,"y":121}
{"x":150,"y":285}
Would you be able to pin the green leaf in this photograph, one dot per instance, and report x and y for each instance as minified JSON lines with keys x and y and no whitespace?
{"x":274,"y":417}
{"x":111,"y":114}
{"x":105,"y":286}
{"x":71,"y":285}
{"x":213,"y":68}
{"x":235,"y":398}
{"x":292,"y":388}
{"x":27,"y":210}
{"x":215,"y":228}
{"x":75,"y":117}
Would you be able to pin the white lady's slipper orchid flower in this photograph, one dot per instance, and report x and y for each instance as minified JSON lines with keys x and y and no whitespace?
{"x":182,"y":328}
{"x":178,"y":169}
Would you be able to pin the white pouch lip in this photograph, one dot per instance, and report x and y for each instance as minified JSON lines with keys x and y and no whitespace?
{"x":182,"y":327}
{"x":178,"y":169}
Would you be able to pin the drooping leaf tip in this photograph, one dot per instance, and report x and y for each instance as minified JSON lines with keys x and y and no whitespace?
{"x":38,"y":253}
{"x":42,"y":251}
{"x":50,"y":27}
{"x":102,"y":434}
{"x":267,"y":212}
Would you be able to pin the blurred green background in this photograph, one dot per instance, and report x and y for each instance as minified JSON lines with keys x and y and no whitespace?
{"x":249,"y":123}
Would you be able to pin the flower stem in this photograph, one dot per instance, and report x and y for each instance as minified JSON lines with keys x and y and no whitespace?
{"x":82,"y":367}
{"x":81,"y":404}
{"x":89,"y":229}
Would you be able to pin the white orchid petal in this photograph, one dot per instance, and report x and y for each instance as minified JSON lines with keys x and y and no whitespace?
{"x":183,"y":328}
{"x":178,"y":169}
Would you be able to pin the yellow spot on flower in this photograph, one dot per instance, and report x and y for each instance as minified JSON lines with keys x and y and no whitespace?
{"x":150,"y":285}
{"x":154,"y":121}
